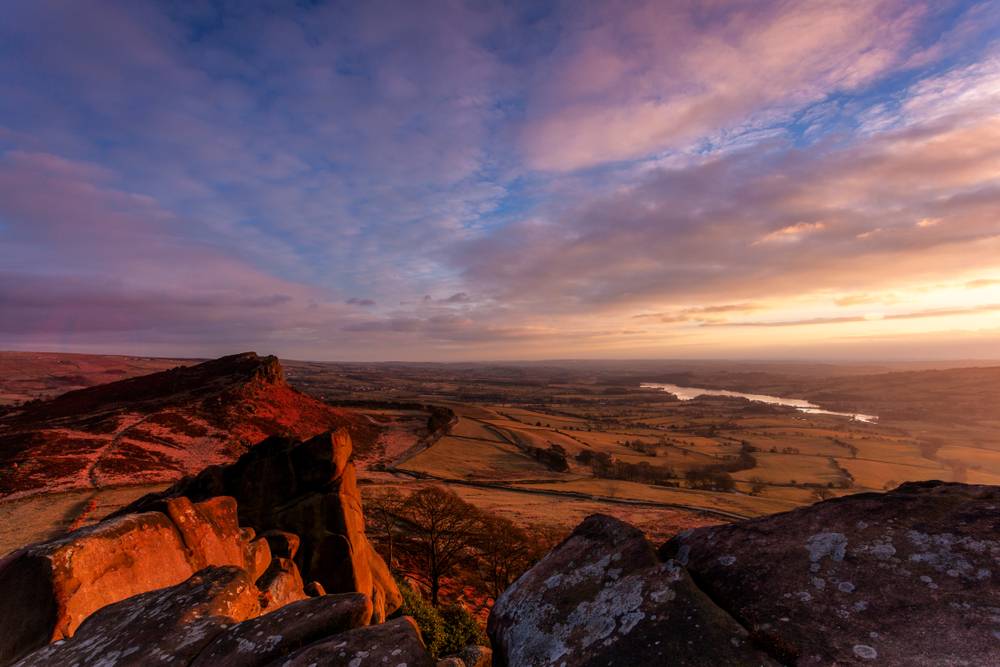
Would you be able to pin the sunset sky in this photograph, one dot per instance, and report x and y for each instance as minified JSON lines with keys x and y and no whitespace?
{"x":448,"y":180}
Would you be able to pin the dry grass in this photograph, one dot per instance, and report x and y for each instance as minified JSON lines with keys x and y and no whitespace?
{"x":462,"y":458}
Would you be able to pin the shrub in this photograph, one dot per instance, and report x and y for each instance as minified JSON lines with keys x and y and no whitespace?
{"x":446,"y":630}
{"x":427,"y":617}
{"x":460,"y":630}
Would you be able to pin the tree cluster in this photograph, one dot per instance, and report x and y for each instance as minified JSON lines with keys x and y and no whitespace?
{"x":435,"y":538}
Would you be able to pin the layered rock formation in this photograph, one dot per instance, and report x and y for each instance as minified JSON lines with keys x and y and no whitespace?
{"x":158,"y":427}
{"x":50,"y":588}
{"x":312,"y":493}
{"x":184,"y":576}
{"x":911,"y":577}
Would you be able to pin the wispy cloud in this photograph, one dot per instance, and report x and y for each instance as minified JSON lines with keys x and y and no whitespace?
{"x":914,"y":315}
{"x":791,"y":233}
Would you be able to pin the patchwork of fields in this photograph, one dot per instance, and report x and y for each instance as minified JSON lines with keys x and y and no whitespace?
{"x":549,"y":444}
{"x":545,"y":436}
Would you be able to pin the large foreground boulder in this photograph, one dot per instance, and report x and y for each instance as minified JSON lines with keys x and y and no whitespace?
{"x":910,"y":577}
{"x":602,"y":597}
{"x":394,"y":643}
{"x":167,"y":626}
{"x":308,"y":489}
{"x":211,"y":620}
{"x":48,"y":589}
{"x":264,"y":639}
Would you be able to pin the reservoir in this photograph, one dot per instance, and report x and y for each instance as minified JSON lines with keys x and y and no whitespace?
{"x":687,"y":393}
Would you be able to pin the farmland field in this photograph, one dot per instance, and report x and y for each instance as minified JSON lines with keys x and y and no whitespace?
{"x":554,"y":436}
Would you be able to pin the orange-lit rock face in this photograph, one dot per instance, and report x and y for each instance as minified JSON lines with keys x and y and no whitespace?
{"x":308,"y":489}
{"x":52,"y":587}
{"x":300,"y":496}
{"x":173,"y":623}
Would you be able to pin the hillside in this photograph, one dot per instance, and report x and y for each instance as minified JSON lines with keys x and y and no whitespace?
{"x":158,"y":427}
{"x":27,"y":376}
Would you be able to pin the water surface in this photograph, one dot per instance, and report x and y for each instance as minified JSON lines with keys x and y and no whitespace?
{"x":688,"y":393}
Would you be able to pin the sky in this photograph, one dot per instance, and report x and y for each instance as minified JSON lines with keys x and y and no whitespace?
{"x":520,"y":180}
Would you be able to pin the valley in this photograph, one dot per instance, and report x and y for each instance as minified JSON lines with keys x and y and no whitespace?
{"x":590,"y":432}
{"x":541,"y":444}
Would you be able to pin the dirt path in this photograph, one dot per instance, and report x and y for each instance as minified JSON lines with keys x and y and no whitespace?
{"x":103,"y":452}
{"x":79,"y":513}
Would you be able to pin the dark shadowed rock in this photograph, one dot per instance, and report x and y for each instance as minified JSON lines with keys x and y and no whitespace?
{"x":602,"y":597}
{"x":281,"y":584}
{"x":308,"y":489}
{"x":269,"y":637}
{"x":167,"y":626}
{"x":911,"y":577}
{"x":476,"y":656}
{"x":49,"y":588}
{"x":282,"y":543}
{"x":395,"y":642}
{"x":314,"y":589}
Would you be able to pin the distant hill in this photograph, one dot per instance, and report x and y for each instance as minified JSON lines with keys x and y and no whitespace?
{"x":158,"y":427}
{"x":27,"y":376}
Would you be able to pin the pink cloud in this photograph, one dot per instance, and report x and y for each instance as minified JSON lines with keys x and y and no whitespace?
{"x":670,"y":78}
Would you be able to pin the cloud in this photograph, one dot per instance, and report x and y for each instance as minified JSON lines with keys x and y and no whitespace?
{"x":914,"y":315}
{"x":791,"y":233}
{"x":698,"y":313}
{"x":982,"y":282}
{"x":199,"y":176}
{"x":695,"y":231}
{"x":860,"y":299}
{"x":667,"y":75}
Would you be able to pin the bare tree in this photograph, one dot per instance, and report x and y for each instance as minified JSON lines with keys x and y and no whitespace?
{"x":505,"y":551}
{"x":382,"y":512}
{"x":822,"y":493}
{"x":441,"y":527}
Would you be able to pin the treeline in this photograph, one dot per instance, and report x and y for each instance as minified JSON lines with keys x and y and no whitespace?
{"x":552,"y":457}
{"x":714,"y":476}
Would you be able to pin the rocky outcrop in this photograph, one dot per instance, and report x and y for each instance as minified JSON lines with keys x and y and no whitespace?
{"x":159,"y":427}
{"x":309,"y":490}
{"x":281,"y":584}
{"x":211,"y":620}
{"x":171,"y":625}
{"x":396,"y":642}
{"x":267,"y":638}
{"x":603,"y":597}
{"x":473,"y":656}
{"x":282,"y":543}
{"x":911,"y":577}
{"x":302,"y":500}
{"x":49,"y":589}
